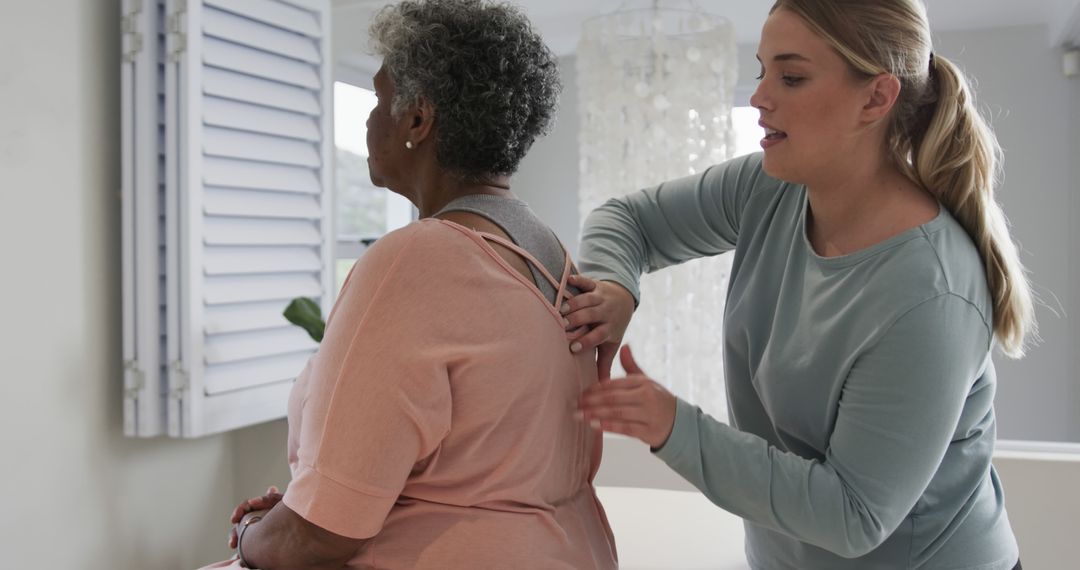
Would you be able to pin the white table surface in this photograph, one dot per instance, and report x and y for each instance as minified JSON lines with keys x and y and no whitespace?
{"x":661,"y":529}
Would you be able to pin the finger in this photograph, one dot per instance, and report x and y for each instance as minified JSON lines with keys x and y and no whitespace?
{"x":581,"y":301}
{"x":632,"y":429}
{"x":605,"y":357}
{"x":583,"y":283}
{"x":626,"y":358}
{"x":620,"y":398}
{"x":261,"y":503}
{"x":592,"y":339}
{"x":586,"y":316}
{"x":239,"y":513}
{"x":614,"y":413}
{"x":576,"y":334}
{"x":608,"y":413}
{"x":629,"y":401}
{"x":625,"y":391}
{"x":265,"y":502}
{"x":627,"y":384}
{"x":272,"y":490}
{"x":232,"y":538}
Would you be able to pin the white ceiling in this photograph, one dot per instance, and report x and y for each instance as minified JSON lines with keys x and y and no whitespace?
{"x":560,"y":20}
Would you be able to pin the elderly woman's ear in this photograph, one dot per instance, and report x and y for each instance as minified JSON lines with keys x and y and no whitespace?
{"x":421,"y":119}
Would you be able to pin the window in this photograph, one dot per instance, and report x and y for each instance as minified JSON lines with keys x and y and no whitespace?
{"x":363,"y":211}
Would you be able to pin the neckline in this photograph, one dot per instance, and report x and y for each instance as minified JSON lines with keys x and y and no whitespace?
{"x":494,"y":255}
{"x":855,"y":257}
{"x":483,"y":197}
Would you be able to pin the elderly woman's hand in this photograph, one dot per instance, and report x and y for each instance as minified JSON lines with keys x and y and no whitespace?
{"x":635,"y":406}
{"x":598,"y":317}
{"x":265,"y":502}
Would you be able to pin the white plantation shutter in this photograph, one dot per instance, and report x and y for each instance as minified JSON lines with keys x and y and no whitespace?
{"x":251,"y":125}
{"x":246,"y":206}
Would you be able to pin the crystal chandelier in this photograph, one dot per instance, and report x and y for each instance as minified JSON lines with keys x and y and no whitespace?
{"x":656,"y":84}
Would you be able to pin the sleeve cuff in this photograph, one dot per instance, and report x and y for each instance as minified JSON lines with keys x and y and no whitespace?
{"x":681,"y":433}
{"x":335,"y":507}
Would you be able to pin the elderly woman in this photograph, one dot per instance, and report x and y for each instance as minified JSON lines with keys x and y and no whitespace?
{"x":435,"y":427}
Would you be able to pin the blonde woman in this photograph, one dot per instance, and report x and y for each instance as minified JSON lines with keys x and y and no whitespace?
{"x":873,"y":276}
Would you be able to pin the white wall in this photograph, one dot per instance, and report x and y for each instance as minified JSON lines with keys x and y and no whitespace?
{"x":77,"y":494}
{"x":1033,"y":109}
{"x":548,"y":176}
{"x":261,"y":459}
{"x":1072,"y":247}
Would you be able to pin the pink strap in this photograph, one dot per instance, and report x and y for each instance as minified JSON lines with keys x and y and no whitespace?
{"x":518,"y":250}
{"x":568,"y":264}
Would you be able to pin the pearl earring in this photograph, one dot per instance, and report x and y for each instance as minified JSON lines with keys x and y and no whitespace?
{"x":408,"y":144}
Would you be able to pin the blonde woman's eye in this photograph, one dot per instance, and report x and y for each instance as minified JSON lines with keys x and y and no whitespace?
{"x":761,"y":74}
{"x":791,"y":80}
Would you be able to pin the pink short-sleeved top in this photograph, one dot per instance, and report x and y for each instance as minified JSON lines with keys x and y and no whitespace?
{"x":437,"y":419}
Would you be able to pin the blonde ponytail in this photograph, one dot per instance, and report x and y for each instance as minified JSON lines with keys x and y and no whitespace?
{"x":957,"y":158}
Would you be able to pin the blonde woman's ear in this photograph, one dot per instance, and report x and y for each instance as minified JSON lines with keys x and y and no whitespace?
{"x":884,"y":91}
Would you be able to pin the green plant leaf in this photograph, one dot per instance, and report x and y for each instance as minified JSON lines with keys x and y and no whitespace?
{"x":306,"y":314}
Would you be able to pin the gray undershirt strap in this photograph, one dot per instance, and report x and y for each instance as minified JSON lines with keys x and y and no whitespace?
{"x":524,"y":228}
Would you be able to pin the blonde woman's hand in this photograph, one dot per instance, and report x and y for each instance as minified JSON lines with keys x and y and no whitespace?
{"x":635,"y":406}
{"x":597,"y":318}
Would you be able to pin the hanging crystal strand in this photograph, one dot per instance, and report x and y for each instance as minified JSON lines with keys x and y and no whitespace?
{"x":656,"y":91}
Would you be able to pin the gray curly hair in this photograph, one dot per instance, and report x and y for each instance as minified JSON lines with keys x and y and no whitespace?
{"x":492,"y":81}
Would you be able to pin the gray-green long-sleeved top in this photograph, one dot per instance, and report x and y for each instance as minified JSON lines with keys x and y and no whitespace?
{"x":860,"y":387}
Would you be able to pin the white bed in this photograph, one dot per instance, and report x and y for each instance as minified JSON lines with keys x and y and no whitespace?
{"x":662,"y":529}
{"x":660,"y":521}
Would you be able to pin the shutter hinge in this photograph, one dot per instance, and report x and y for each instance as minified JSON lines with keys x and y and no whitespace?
{"x":138,"y":382}
{"x":180,"y":385}
{"x":129,"y":26}
{"x":174,"y":28}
